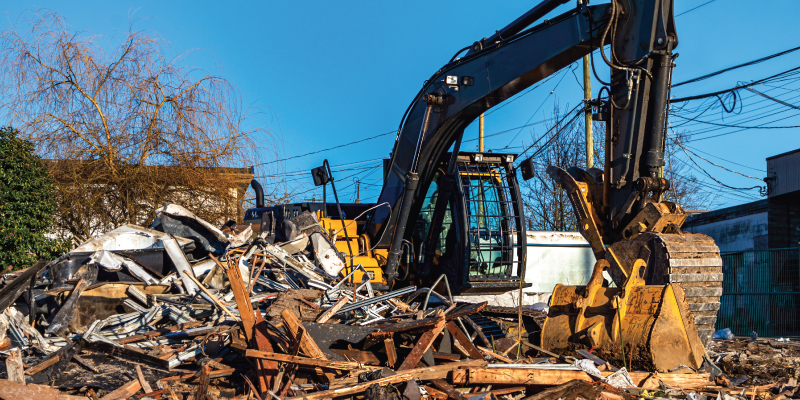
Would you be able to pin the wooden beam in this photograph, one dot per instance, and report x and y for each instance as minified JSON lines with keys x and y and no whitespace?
{"x":123,"y":392}
{"x":352,"y":386}
{"x":333,"y":310}
{"x":307,"y":344}
{"x":464,"y":341}
{"x":266,"y":370}
{"x":360,"y":356}
{"x":205,"y":380}
{"x":145,"y":386}
{"x":423,"y":344}
{"x":536,"y":376}
{"x":42,"y":365}
{"x":391,"y":351}
{"x":426,"y":322}
{"x":243,"y":304}
{"x":213,"y":298}
{"x":305,"y":361}
{"x":435,"y":393}
{"x":14,"y":366}
{"x":449,"y":390}
{"x":495,"y":355}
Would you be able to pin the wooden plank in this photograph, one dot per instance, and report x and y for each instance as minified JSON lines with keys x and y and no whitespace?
{"x":14,"y":367}
{"x":525,"y":376}
{"x":333,"y":310}
{"x":123,"y":392}
{"x":391,"y":351}
{"x":307,"y":344}
{"x":266,"y":369}
{"x":427,"y":322}
{"x":500,"y":392}
{"x":351,"y":386}
{"x":464,"y":341}
{"x":42,"y":365}
{"x":17,"y":391}
{"x":359,"y":356}
{"x":423,"y":344}
{"x":435,"y":393}
{"x":213,"y":298}
{"x":496,"y":356}
{"x":449,"y":390}
{"x":446,"y":356}
{"x":305,"y":361}
{"x":145,"y":386}
{"x":242,"y":297}
{"x":442,"y":371}
{"x":205,"y":380}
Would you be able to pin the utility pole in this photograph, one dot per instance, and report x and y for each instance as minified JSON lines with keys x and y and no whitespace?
{"x":480,"y":134}
{"x":587,"y":95}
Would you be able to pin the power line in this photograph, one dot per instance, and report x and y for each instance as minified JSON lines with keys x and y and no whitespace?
{"x":737,"y":87}
{"x":555,"y":135}
{"x":330,"y":148}
{"x":722,"y":71}
{"x":695,"y":8}
{"x":304,"y":171}
{"x":718,"y":157}
{"x":702,"y":169}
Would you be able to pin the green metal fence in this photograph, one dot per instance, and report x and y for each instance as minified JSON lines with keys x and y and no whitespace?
{"x":761,"y":292}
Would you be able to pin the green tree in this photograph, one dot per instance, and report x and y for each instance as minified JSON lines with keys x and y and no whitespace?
{"x":27,"y":204}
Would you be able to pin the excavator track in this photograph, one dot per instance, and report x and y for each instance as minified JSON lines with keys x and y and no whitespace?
{"x":691,"y":260}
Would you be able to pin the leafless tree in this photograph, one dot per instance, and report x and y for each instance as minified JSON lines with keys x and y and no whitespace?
{"x":547,"y":207}
{"x":126,"y":128}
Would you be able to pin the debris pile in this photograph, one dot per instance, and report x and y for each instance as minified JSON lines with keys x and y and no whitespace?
{"x":185,"y":310}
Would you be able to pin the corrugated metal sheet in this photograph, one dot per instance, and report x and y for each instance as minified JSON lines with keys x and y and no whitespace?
{"x":784,"y":168}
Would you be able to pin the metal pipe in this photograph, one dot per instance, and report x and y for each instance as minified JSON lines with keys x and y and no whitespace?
{"x":339,"y":208}
{"x":655,"y":155}
{"x":259,"y":193}
{"x":412,"y":181}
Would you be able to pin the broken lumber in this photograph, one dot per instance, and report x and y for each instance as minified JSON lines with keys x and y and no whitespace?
{"x":464,"y":341}
{"x":435,"y":372}
{"x":423,"y":344}
{"x":542,"y":376}
{"x":17,"y":391}
{"x":123,"y":392}
{"x":304,"y":361}
{"x":14,"y":367}
{"x":307,"y":344}
{"x":333,"y":310}
{"x":449,"y":390}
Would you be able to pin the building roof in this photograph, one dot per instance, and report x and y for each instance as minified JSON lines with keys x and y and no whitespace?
{"x":723,"y":214}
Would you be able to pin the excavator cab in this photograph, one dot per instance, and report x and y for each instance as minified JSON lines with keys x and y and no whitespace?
{"x":483,"y":207}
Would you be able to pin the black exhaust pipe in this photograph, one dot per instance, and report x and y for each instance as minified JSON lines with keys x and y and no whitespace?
{"x":259,"y":193}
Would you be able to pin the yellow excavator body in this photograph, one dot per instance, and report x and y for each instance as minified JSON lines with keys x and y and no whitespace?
{"x":640,"y":326}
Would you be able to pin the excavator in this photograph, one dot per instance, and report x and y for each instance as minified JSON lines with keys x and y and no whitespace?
{"x":444,"y":211}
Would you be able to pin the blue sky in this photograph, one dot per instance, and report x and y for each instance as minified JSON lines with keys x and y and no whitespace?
{"x":327,"y":73}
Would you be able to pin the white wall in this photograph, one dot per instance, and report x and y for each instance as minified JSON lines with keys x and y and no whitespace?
{"x":553,"y":258}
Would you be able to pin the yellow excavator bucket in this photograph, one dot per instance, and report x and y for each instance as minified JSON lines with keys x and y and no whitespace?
{"x":641,"y":326}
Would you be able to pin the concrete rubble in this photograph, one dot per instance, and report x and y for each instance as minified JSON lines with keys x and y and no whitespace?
{"x":159,"y":313}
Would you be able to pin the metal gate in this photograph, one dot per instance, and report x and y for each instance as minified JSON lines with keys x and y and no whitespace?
{"x":761,"y":292}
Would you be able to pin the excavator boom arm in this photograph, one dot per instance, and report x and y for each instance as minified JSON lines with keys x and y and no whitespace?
{"x":463,"y":89}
